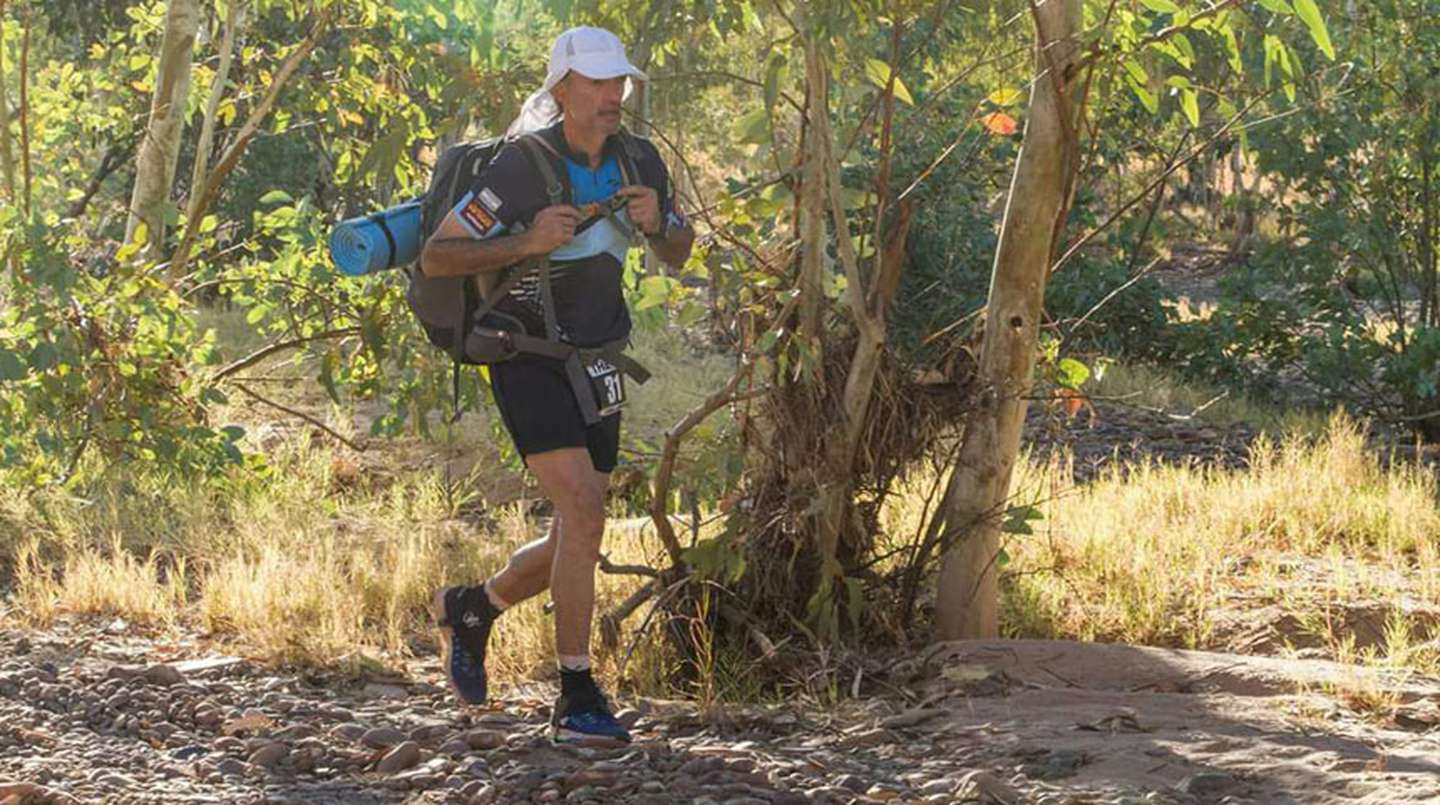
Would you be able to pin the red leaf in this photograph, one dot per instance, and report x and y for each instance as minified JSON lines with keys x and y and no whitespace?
{"x":999,"y":124}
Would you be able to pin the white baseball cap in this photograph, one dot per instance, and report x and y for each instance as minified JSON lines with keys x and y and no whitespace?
{"x":591,"y":52}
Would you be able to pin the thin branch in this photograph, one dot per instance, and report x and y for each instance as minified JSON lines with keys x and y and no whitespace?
{"x":1159,"y":36}
{"x":731,"y":76}
{"x":607,"y":566}
{"x":115,"y":156}
{"x":1150,"y":188}
{"x":25,"y":107}
{"x":664,"y":474}
{"x":237,"y":149}
{"x":280,"y":346}
{"x":359,"y":448}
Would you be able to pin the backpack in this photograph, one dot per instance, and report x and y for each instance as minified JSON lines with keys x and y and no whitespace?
{"x":457,"y":313}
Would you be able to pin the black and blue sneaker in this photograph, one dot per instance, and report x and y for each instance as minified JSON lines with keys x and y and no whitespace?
{"x":464,"y":615}
{"x":581,"y":714}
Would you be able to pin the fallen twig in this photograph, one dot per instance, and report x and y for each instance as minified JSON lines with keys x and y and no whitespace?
{"x":359,"y":448}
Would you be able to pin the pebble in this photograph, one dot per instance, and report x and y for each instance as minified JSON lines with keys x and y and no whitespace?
{"x":382,"y":737}
{"x":348,"y":731}
{"x":269,"y":755}
{"x":403,"y":756}
{"x":987,"y":788}
{"x":485,"y":739}
{"x":1207,"y":784}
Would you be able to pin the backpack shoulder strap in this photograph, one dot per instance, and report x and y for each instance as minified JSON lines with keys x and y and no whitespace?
{"x":630,"y":156}
{"x":539,"y":153}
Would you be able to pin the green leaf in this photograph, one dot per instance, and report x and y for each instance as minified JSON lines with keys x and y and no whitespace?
{"x":1278,"y":6}
{"x":1072,"y":373}
{"x":879,"y":74}
{"x":653,"y":291}
{"x":1147,"y":98}
{"x":1161,"y":6}
{"x":753,"y":127}
{"x":1191,"y":104}
{"x":1310,"y":14}
{"x":774,"y":72}
{"x":1006,"y":96}
{"x":276,"y":197}
{"x":10,"y":366}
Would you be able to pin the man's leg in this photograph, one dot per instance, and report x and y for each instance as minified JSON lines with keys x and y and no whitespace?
{"x":577,"y":491}
{"x":527,"y":574}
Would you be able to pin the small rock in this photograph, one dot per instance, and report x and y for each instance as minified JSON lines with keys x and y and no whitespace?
{"x":454,"y":747}
{"x":230,"y":766}
{"x":485,"y":739}
{"x":428,"y":732}
{"x":349,"y":731}
{"x":1206,"y":784}
{"x":382,"y":737}
{"x":592,"y":777}
{"x":987,"y":788}
{"x":269,"y":755}
{"x":188,"y":752}
{"x":402,"y":757}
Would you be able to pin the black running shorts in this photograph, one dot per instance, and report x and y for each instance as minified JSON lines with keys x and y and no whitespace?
{"x":539,"y":409}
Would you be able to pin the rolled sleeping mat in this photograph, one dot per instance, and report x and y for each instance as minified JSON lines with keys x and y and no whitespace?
{"x":377,"y":241}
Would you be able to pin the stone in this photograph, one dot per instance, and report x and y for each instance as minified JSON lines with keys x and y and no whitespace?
{"x":269,"y":755}
{"x":988,"y":789}
{"x":382,"y":737}
{"x":188,"y":752}
{"x":485,"y":739}
{"x":1207,"y":784}
{"x":402,"y":757}
{"x":349,"y":731}
{"x":592,"y":777}
{"x":454,"y":747}
{"x":230,"y":766}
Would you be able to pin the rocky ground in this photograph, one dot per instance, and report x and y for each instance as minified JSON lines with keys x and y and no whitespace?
{"x":99,"y":713}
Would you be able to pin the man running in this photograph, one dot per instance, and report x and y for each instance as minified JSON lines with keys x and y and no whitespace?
{"x":507,"y":218}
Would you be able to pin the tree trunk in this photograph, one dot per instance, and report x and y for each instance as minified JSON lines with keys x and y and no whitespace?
{"x":234,"y":18}
{"x":812,"y":199}
{"x":160,"y":148}
{"x":967,"y":594}
{"x":7,"y":150}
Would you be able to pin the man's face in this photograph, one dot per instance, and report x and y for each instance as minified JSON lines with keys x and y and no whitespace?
{"x":591,"y":102}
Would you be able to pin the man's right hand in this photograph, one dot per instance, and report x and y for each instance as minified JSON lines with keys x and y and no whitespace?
{"x":553,"y":227}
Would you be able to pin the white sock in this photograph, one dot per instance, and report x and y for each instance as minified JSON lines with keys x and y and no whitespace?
{"x":495,"y":600}
{"x":574,"y":662}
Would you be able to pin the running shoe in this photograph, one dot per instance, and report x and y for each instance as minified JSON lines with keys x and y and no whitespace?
{"x":464,"y":616}
{"x":585,"y":718}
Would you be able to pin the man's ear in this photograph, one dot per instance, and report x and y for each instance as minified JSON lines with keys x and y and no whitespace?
{"x":561,"y":89}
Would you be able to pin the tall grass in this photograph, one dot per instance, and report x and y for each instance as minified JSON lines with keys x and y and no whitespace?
{"x":321,"y":559}
{"x":1158,"y":554}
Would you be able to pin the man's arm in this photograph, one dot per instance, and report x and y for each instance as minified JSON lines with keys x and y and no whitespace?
{"x":646,"y":214}
{"x":454,"y":250}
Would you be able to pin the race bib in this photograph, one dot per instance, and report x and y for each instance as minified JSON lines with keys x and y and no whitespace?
{"x":608,"y":386}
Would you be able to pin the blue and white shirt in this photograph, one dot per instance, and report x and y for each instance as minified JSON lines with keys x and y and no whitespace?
{"x":586,"y":273}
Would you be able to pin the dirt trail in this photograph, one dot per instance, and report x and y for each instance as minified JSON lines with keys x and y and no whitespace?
{"x":91,"y":713}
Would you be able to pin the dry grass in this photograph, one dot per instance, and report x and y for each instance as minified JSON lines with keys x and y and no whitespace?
{"x":322,"y":560}
{"x":322,"y":557}
{"x":1161,"y":555}
{"x":1153,"y":388}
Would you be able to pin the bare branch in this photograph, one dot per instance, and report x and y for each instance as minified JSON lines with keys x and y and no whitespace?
{"x":280,"y":346}
{"x":359,"y":448}
{"x":237,"y":149}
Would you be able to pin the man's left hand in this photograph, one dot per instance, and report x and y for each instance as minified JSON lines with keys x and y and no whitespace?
{"x":643,"y":207}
